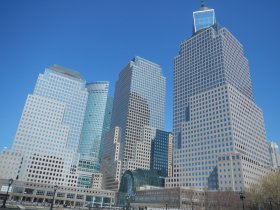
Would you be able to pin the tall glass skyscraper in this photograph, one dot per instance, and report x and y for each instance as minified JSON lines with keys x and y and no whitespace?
{"x":96,"y":125}
{"x":219,"y":134}
{"x":46,"y":142}
{"x":107,"y":122}
{"x":93,"y":126}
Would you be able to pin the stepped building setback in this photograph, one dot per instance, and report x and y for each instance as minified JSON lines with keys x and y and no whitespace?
{"x":60,"y":133}
{"x":138,"y":110}
{"x":77,"y":146}
{"x":45,"y":148}
{"x":58,"y":142}
{"x":219,"y":133}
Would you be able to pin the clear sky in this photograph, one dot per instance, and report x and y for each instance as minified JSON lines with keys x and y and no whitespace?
{"x":99,"y":37}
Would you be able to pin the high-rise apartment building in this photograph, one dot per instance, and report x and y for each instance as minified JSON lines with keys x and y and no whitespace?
{"x":138,"y":110}
{"x":219,"y":134}
{"x":46,"y":142}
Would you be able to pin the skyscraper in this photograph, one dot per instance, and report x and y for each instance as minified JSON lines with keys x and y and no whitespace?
{"x":107,"y":122}
{"x":139,"y":101}
{"x":219,"y":134}
{"x":96,"y":124}
{"x":138,"y":109}
{"x":49,"y":130}
{"x":93,"y":125}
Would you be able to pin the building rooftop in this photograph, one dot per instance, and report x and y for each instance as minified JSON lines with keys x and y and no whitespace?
{"x":137,"y":58}
{"x":66,"y":71}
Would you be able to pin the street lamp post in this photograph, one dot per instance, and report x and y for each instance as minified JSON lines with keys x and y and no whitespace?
{"x":128,"y":202}
{"x":242,"y":197}
{"x":129,"y":198}
{"x":192,"y":205}
{"x":54,"y":191}
{"x":270,"y":202}
{"x":6,"y":197}
{"x":166,"y":206}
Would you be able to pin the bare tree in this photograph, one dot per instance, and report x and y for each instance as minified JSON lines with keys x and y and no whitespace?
{"x":266,"y":194}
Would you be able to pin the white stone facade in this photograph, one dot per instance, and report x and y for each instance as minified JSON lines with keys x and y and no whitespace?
{"x":223,"y":123}
{"x":110,"y":161}
{"x":215,"y":117}
{"x":142,"y":152}
{"x":139,"y":104}
{"x":274,"y":154}
{"x":31,"y":193}
{"x":9,"y":163}
{"x":97,"y":180}
{"x":170,"y":155}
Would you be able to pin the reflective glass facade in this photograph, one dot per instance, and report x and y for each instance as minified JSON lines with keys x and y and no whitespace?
{"x":94,"y":126}
{"x":204,"y":18}
{"x":106,"y":123}
{"x":84,"y":181}
{"x":159,"y":152}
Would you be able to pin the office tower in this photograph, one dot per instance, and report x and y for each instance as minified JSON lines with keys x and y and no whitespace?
{"x":161,"y":153}
{"x":93,"y":125}
{"x":219,"y":134}
{"x":274,"y":154}
{"x":96,"y":124}
{"x":138,"y":109}
{"x":106,"y":123}
{"x":139,"y":101}
{"x":49,"y":130}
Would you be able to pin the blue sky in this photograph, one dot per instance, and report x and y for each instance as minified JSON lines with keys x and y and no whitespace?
{"x":99,"y":37}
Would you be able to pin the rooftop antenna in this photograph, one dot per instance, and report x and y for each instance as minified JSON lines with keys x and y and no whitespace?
{"x":202,"y":3}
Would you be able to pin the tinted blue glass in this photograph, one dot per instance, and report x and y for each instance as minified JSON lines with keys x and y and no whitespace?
{"x":203,"y":19}
{"x":95,"y":125}
{"x":159,"y":151}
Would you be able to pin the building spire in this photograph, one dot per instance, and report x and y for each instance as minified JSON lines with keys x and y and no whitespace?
{"x":202,"y":3}
{"x":204,"y":17}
